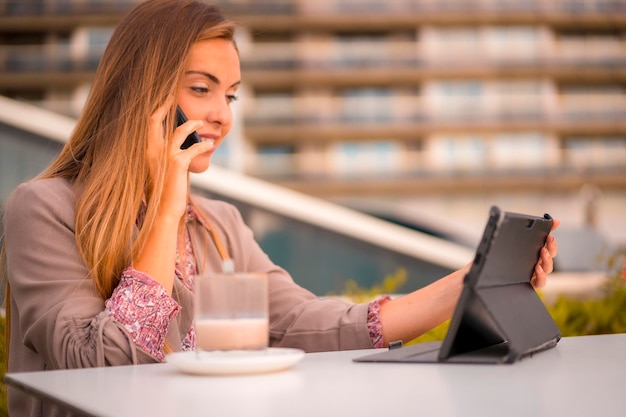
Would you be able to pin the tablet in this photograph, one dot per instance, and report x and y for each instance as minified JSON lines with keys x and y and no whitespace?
{"x":499,"y":317}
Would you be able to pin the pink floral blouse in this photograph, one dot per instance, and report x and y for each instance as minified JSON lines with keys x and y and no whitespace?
{"x":145,"y":308}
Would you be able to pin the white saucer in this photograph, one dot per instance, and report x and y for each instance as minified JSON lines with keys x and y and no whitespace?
{"x":235,"y":362}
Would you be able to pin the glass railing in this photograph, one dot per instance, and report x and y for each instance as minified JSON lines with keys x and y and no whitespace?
{"x":325,"y":7}
{"x":264,"y":7}
{"x":575,"y":164}
{"x":49,"y":58}
{"x":437,"y":52}
{"x":321,"y":244}
{"x":544,"y":64}
{"x":610,"y":111}
{"x":35,"y":60}
{"x":340,"y":7}
{"x":64,"y":7}
{"x":324,"y":245}
{"x":535,"y":115}
{"x":295,"y":230}
{"x":65,"y":58}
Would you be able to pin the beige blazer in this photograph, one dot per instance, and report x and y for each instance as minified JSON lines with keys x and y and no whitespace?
{"x":58,"y":320}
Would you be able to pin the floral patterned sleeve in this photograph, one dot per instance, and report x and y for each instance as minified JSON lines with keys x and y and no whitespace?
{"x":143,"y":306}
{"x":373,"y":321}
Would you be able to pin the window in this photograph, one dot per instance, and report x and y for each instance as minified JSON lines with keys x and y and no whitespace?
{"x":456,"y":44}
{"x":513,"y":43}
{"x":517,"y":99}
{"x":599,"y":152}
{"x":605,"y":47}
{"x":367,"y":104}
{"x":361,"y":50}
{"x":275,"y":160}
{"x":273,"y":108}
{"x":519,"y":150}
{"x":457,"y":153}
{"x":607,"y":101}
{"x":457,"y":99}
{"x":366,"y":158}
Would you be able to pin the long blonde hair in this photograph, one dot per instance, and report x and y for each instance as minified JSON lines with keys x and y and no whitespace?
{"x":105,"y":156}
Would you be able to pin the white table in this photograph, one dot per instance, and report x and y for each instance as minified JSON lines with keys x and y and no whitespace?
{"x":582,"y":376}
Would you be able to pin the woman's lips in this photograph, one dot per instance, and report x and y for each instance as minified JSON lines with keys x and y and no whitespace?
{"x":212,"y":139}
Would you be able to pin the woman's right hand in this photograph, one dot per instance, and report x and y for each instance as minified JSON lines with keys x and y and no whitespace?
{"x":176,"y":163}
{"x":157,"y":257}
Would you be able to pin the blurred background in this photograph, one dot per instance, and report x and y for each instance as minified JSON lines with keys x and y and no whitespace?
{"x":420,"y":113}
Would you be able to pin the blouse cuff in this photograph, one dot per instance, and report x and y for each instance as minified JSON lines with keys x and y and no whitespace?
{"x":374,"y":325}
{"x":144,"y":308}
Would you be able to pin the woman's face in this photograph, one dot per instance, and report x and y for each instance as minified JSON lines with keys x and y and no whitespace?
{"x":209,"y":85}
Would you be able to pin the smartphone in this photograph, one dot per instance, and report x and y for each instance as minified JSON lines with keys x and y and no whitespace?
{"x":193,"y":137}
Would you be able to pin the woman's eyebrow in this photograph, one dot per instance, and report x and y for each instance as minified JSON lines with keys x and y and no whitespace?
{"x":211,"y":77}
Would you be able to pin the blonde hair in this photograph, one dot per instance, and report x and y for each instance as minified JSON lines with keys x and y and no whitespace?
{"x":105,"y":156}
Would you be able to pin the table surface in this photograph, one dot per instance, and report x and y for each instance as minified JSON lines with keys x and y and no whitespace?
{"x":582,"y":376}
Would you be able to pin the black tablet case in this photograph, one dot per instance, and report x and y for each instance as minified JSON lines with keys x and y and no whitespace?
{"x":499,"y":317}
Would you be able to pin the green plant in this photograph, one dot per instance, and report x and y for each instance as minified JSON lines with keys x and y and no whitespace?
{"x":574,"y":317}
{"x":389,"y":285}
{"x":603,"y":315}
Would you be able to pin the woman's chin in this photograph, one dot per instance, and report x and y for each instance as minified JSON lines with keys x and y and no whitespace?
{"x":200,"y":164}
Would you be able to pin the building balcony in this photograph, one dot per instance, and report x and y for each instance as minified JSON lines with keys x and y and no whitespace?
{"x":294,"y":15}
{"x":27,"y":16}
{"x":287,"y":74}
{"x":425,"y":182}
{"x":407,"y":14}
{"x":44,"y":65}
{"x":312,"y":128}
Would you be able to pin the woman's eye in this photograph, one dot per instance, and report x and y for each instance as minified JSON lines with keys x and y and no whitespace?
{"x":231,"y":97}
{"x":202,"y":90}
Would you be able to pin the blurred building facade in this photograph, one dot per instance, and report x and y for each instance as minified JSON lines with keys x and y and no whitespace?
{"x":446,"y":105}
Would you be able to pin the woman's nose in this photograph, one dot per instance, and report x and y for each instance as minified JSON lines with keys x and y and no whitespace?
{"x":220,"y":112}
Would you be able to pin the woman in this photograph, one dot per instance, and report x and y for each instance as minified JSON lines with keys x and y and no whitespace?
{"x":102,"y":248}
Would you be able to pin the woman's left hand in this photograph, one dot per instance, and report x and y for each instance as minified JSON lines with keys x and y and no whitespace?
{"x":546,"y":263}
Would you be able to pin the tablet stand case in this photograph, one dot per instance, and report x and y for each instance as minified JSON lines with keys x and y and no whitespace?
{"x":499,"y":317}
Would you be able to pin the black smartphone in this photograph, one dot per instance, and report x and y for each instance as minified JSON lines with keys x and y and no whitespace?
{"x":193,"y":137}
